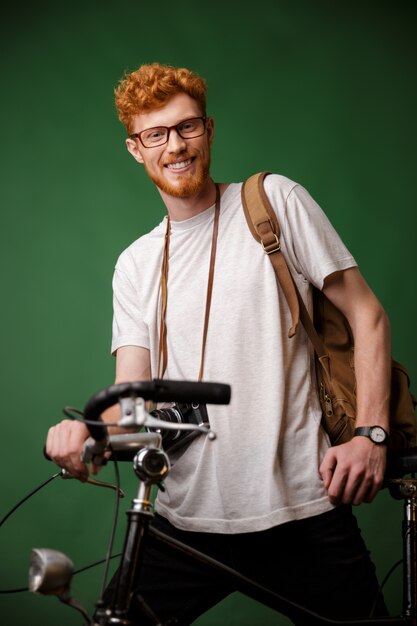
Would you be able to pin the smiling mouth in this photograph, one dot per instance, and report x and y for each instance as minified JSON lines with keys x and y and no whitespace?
{"x":179,"y":165}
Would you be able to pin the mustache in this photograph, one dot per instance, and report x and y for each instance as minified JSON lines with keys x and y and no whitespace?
{"x":180,"y":157}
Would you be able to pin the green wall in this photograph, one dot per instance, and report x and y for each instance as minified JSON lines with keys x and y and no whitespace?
{"x":322,"y":92}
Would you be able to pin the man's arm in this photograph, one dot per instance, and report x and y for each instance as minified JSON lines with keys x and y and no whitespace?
{"x":353,"y":472}
{"x":65,"y":440}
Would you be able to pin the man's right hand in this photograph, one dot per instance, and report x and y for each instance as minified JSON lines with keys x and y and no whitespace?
{"x":64,"y":445}
{"x":65,"y":441}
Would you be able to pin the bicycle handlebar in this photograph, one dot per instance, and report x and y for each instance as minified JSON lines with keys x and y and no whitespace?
{"x":156,"y":390}
{"x":401,"y":462}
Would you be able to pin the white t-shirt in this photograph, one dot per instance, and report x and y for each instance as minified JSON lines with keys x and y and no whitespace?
{"x":262,"y":469}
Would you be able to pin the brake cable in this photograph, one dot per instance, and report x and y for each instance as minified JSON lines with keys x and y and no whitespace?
{"x":63,"y":474}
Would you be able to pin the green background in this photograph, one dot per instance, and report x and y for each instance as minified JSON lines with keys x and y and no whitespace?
{"x":322,"y":92}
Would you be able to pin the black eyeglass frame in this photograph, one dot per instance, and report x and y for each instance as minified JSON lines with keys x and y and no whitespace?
{"x":168,"y":129}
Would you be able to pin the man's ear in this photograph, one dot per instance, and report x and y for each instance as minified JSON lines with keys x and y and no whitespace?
{"x":210,"y":129}
{"x":132,"y":146}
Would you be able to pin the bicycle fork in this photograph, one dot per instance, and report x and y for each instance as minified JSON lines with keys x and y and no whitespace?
{"x":409,"y":491}
{"x":406,"y":489}
{"x":151,"y":465}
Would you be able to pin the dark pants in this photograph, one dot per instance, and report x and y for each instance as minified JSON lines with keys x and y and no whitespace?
{"x":320,"y":562}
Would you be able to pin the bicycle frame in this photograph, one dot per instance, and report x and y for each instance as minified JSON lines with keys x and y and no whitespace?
{"x":140,"y":515}
{"x":151,"y":465}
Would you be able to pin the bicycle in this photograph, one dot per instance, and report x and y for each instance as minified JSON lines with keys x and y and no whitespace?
{"x":151,"y":465}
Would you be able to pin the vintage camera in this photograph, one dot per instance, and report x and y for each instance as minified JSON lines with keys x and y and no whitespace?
{"x":180,"y":413}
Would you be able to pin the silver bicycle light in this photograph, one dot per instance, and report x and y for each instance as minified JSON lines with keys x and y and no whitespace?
{"x":50,"y":572}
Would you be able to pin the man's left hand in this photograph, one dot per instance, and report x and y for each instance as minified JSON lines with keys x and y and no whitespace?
{"x":353,"y":472}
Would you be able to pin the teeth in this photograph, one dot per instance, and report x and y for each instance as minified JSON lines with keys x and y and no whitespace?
{"x":178,"y":166}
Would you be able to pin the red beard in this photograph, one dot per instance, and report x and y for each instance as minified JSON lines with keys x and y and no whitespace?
{"x":188,"y":184}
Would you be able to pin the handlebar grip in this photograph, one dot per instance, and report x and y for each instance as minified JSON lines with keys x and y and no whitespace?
{"x":156,"y":390}
{"x":401,"y":462}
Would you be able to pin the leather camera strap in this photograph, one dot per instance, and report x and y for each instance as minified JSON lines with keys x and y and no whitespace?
{"x":163,"y":345}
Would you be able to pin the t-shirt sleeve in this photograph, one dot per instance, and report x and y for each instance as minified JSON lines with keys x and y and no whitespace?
{"x":312,"y":244}
{"x":129,"y":328}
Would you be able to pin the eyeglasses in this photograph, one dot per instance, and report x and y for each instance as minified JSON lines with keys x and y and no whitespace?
{"x":157,"y":136}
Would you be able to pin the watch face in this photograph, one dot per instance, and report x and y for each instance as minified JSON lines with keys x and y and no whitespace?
{"x":377,"y":434}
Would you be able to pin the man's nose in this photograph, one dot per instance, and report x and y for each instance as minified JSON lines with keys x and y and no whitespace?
{"x":176,"y":143}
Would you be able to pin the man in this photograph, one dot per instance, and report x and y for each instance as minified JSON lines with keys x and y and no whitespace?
{"x":269,"y":496}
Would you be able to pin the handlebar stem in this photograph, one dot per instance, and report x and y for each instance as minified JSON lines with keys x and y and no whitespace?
{"x":133,"y":412}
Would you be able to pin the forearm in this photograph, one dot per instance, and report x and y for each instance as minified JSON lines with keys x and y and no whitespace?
{"x":372,"y":360}
{"x":132,"y":365}
{"x":112,"y":416}
{"x":353,"y":472}
{"x":372,"y":357}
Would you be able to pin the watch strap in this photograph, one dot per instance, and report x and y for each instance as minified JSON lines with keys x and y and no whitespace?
{"x":366,"y":431}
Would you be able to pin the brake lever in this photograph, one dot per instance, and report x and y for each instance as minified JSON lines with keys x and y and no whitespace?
{"x":65,"y":474}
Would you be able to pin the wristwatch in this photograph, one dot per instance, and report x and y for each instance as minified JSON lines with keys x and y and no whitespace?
{"x":375,"y":433}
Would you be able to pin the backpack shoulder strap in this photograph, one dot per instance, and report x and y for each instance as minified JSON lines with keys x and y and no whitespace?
{"x":261,"y":218}
{"x":264,"y":226}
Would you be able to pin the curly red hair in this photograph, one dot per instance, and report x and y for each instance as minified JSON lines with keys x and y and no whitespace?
{"x":151,"y":86}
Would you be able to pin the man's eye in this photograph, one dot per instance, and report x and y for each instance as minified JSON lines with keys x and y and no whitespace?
{"x":187,"y":126}
{"x":154,"y":135}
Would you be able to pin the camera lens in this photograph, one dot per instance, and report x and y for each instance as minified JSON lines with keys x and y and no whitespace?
{"x":179,"y":413}
{"x":173,"y":416}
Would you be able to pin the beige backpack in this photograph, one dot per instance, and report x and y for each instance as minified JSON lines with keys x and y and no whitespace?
{"x":330,"y":335}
